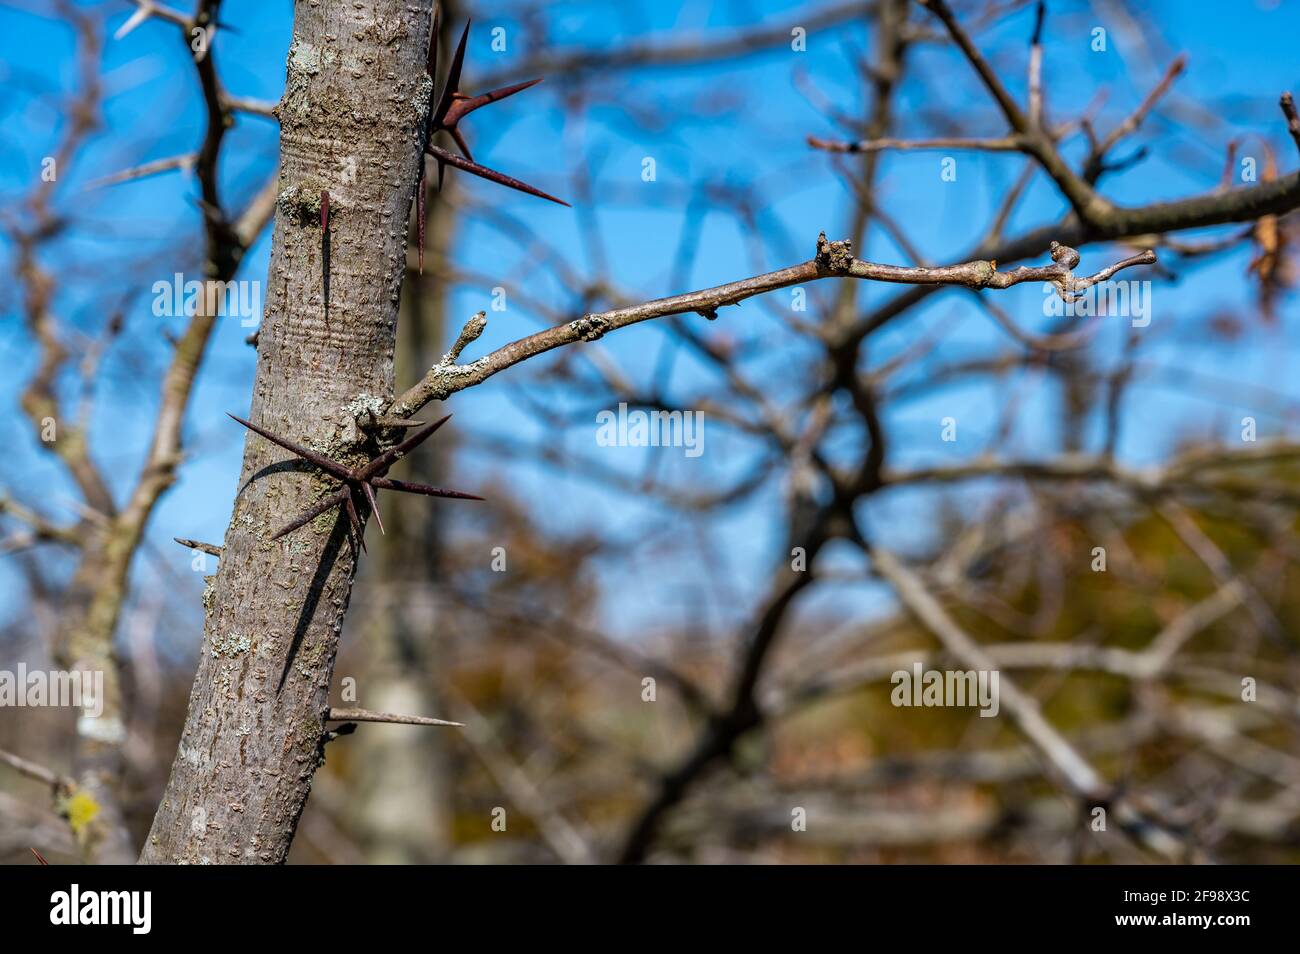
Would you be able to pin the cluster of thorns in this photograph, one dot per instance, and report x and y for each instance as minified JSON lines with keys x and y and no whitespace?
{"x":362,"y":483}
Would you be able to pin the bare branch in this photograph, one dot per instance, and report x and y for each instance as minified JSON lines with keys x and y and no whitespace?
{"x":833,"y":260}
{"x":36,"y":771}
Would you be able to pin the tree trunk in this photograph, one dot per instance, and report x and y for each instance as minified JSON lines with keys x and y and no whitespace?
{"x":350,"y":123}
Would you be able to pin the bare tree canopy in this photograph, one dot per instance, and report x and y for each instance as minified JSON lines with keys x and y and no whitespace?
{"x":871,"y":425}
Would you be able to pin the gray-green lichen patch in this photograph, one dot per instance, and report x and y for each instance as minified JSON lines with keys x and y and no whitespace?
{"x":422,"y":101}
{"x":231,"y":645}
{"x":364,"y":407}
{"x":304,"y":63}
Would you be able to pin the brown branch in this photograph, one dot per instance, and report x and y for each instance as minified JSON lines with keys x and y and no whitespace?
{"x":39,"y":773}
{"x":184,"y":162}
{"x":1088,"y":205}
{"x":41,"y":529}
{"x":833,"y":260}
{"x":956,"y":143}
{"x":714,"y":47}
{"x":1139,"y":115}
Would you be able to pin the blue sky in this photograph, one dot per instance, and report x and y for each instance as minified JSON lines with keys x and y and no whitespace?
{"x":744,"y":124}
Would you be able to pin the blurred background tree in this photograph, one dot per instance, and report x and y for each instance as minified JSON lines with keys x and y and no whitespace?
{"x":680,"y":133}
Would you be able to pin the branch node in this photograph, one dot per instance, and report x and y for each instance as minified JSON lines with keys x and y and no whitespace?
{"x":835,"y":258}
{"x":589,"y":327}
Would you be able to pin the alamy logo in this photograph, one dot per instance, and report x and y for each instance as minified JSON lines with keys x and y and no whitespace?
{"x":79,"y":688}
{"x":103,"y":907}
{"x":638,"y":428}
{"x":181,"y":299}
{"x":1123,"y":299}
{"x":946,"y":688}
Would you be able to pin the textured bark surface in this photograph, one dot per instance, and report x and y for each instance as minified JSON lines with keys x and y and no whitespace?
{"x":354,"y":102}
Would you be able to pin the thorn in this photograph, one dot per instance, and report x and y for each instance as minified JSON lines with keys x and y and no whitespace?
{"x":41,"y":858}
{"x":405,"y":486}
{"x":451,"y":159}
{"x":453,"y":77}
{"x":465,"y":105}
{"x":419,"y":212}
{"x":366,"y":715}
{"x":333,"y":500}
{"x":325,"y":248}
{"x":355,"y":520}
{"x":311,"y":456}
{"x":461,"y":144}
{"x":380,"y":464}
{"x":431,"y":61}
{"x":209,"y":548}
{"x":367,"y":479}
{"x":374,"y":506}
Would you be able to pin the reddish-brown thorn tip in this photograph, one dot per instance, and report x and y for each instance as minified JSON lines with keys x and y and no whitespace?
{"x":459,"y":138}
{"x":39,"y":856}
{"x":483,"y":172}
{"x":409,"y":487}
{"x":374,"y":506}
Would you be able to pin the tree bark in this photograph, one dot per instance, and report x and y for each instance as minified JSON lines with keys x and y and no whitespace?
{"x":350,"y":123}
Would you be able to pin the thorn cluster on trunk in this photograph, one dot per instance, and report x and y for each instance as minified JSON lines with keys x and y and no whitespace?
{"x":453,"y":106}
{"x":358,"y":482}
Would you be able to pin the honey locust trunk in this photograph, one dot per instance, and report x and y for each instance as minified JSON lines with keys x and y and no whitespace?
{"x":350,"y":124}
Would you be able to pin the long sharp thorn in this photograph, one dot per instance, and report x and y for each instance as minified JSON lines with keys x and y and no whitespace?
{"x":374,"y":506}
{"x":431,"y":62}
{"x":311,"y":456}
{"x":453,"y":77}
{"x":407,"y":487}
{"x":419,"y":214}
{"x":466,"y":105}
{"x":325,"y":249}
{"x":459,"y":137}
{"x":451,"y":159}
{"x":385,"y":460}
{"x":333,"y":500}
{"x":355,"y":520}
{"x":39,"y":856}
{"x":442,"y":169}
